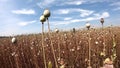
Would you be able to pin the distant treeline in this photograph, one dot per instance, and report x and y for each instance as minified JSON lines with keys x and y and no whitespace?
{"x":3,"y":37}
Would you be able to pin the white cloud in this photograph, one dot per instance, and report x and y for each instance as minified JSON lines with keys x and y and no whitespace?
{"x":65,"y":11}
{"x":105,"y":14}
{"x":26,"y":23}
{"x":45,"y":3}
{"x":73,"y":2}
{"x":90,"y":19}
{"x":24,"y":11}
{"x":98,"y":1}
{"x":67,"y":18}
{"x":83,"y":12}
{"x":75,"y":20}
{"x":23,"y":23}
{"x":80,"y":2}
{"x":115,"y":4}
{"x":96,"y":16}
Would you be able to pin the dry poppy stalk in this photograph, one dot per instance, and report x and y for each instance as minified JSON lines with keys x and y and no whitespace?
{"x":42,"y":19}
{"x":89,"y":62}
{"x":47,"y":14}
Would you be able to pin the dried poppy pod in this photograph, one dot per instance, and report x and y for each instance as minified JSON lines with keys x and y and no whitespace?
{"x":96,"y":42}
{"x":46,"y":13}
{"x":73,"y":30}
{"x":13,"y":40}
{"x":49,"y":64}
{"x":56,"y":30}
{"x":102,"y":20}
{"x":42,"y":19}
{"x":88,"y":26}
{"x":107,"y":60}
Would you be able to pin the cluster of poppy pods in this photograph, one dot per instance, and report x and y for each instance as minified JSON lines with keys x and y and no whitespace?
{"x":45,"y":15}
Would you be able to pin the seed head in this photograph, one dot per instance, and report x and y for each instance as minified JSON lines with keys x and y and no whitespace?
{"x":49,"y":64}
{"x":13,"y":40}
{"x":13,"y":53}
{"x":96,"y":42}
{"x":102,"y":53}
{"x":72,"y":50}
{"x":56,"y":30}
{"x":73,"y":30}
{"x":107,"y":60}
{"x":88,"y":25}
{"x":42,"y":18}
{"x":46,"y":13}
{"x":102,"y":20}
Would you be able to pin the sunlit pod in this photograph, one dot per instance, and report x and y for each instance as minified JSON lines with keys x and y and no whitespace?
{"x":46,"y":13}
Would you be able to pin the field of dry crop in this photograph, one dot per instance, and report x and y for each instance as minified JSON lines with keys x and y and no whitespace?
{"x":70,"y":48}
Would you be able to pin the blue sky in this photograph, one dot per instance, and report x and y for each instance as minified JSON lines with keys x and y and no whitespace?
{"x":22,"y":16}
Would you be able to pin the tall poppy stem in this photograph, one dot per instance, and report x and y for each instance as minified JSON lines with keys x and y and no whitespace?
{"x":52,"y":44}
{"x":89,"y":49}
{"x":43,"y":46}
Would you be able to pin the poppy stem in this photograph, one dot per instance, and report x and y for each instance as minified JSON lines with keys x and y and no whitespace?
{"x":52,"y":44}
{"x":43,"y":45}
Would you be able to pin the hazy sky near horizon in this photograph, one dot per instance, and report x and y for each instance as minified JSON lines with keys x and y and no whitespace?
{"x":22,"y":16}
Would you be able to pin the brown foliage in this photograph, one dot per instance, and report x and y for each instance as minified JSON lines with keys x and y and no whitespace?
{"x":27,"y":52}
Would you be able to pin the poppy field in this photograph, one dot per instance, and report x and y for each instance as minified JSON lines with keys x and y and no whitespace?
{"x":70,"y":49}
